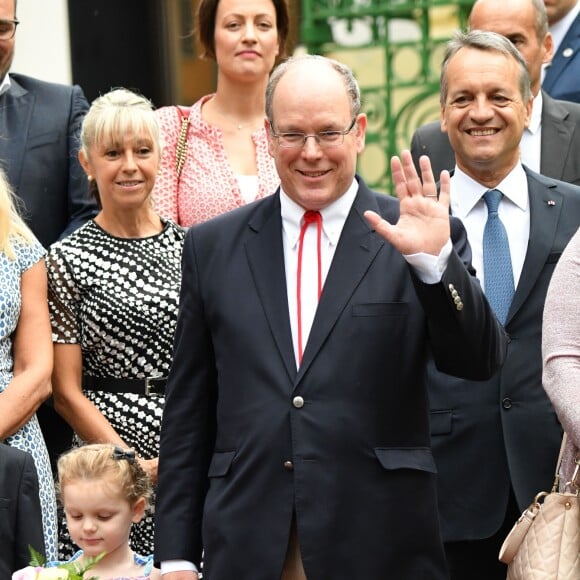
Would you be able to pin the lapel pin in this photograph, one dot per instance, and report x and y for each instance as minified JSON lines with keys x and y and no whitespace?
{"x":551,"y":202}
{"x":567,"y":52}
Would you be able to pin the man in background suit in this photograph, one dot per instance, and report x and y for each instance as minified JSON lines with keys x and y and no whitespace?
{"x":496,"y":442}
{"x":39,"y":128}
{"x":295,"y":437}
{"x":551,"y":143}
{"x":20,"y":515}
{"x":562,"y":74}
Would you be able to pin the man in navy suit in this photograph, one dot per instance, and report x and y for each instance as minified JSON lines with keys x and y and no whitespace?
{"x":295,"y":439}
{"x":39,"y":127}
{"x":496,"y":442}
{"x":20,"y":515}
{"x":562,"y":74}
{"x":552,"y":139}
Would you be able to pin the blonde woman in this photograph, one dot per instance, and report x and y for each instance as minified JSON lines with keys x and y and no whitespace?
{"x":113,"y":290}
{"x":25,"y":349}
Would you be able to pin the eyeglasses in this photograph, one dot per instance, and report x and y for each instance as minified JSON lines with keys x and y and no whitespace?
{"x":325,"y":139}
{"x":8,"y":28}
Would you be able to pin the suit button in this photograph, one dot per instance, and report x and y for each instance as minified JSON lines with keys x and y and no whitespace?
{"x":506,"y":403}
{"x":298,"y":402}
{"x":288,"y":466}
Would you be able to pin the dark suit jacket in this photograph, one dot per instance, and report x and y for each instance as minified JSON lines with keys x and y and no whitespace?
{"x":488,"y":436}
{"x":562,"y":80}
{"x":239,"y":454}
{"x":560,"y":146}
{"x":39,"y":130}
{"x":20,"y":515}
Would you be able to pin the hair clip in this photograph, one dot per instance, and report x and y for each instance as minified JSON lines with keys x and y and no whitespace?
{"x":128,"y":454}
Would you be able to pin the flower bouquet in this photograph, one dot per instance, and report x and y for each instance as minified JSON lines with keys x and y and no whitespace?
{"x":37,"y":569}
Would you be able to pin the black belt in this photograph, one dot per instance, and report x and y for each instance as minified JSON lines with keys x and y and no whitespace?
{"x":148,"y":386}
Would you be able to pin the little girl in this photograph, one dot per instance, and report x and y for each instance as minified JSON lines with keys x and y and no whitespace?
{"x":103,"y":492}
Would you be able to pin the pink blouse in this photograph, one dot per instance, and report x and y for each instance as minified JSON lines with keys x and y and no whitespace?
{"x":207,"y":186}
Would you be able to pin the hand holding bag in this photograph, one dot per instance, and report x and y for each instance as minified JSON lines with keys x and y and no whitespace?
{"x":544,"y":543}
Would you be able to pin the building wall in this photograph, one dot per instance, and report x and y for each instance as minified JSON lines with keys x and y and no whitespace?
{"x":42,"y":40}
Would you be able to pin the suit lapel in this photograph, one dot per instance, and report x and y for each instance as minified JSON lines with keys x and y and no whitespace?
{"x":570,"y":42}
{"x":557,"y":128}
{"x":16,"y":107}
{"x":545,"y":208}
{"x":355,"y":252}
{"x":265,"y":254}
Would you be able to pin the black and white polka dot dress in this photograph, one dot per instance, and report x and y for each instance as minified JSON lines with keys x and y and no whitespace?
{"x":117,"y":298}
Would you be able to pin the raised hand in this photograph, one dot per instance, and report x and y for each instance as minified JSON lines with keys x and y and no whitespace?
{"x":423,"y":224}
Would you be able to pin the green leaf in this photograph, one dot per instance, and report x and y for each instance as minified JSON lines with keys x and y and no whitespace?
{"x":36,"y":558}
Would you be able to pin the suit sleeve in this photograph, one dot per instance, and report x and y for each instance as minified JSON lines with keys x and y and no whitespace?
{"x":188,"y":426}
{"x":466,"y":338}
{"x":81,"y":207}
{"x":28,"y":515}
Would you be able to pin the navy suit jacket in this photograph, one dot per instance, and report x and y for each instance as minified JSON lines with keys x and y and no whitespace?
{"x":501,"y":433}
{"x":39,"y":130}
{"x":559,"y":148}
{"x":562,"y":79}
{"x":20,"y":515}
{"x":343,"y":442}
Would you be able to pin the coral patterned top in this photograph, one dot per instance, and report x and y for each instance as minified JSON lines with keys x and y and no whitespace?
{"x":207,"y":186}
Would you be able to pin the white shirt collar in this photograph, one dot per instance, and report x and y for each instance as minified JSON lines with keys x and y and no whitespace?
{"x":560,"y":28}
{"x":466,"y":192}
{"x":536,"y":116}
{"x":333,"y":216}
{"x":5,"y":84}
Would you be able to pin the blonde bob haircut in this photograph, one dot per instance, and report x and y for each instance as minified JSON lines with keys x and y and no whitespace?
{"x":12,"y":226}
{"x":113,"y":116}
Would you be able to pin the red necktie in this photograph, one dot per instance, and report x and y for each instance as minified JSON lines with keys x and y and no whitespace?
{"x":310,"y":217}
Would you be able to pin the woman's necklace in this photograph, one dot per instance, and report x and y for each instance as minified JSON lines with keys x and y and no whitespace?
{"x":236,"y":124}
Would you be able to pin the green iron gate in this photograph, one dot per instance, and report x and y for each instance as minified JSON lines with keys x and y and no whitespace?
{"x":395,"y":49}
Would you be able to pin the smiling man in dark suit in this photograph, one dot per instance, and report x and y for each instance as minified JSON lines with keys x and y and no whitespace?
{"x":39,"y":128}
{"x":551,"y":142}
{"x":295,"y":440}
{"x":496,"y":442}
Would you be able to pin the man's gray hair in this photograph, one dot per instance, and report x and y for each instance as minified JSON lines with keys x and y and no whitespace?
{"x":484,"y":41}
{"x":350,"y":83}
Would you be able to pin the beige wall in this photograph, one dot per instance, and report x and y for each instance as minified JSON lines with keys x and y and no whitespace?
{"x":42,"y":40}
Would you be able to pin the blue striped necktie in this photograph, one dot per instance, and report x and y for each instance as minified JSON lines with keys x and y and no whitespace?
{"x":497,"y":264}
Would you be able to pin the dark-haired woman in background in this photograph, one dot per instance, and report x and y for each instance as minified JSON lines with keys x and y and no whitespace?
{"x":226,"y":161}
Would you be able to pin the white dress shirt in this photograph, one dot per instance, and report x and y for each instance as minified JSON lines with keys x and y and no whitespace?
{"x":514,"y":211}
{"x":531,"y":143}
{"x":333,"y":219}
{"x":5,"y":84}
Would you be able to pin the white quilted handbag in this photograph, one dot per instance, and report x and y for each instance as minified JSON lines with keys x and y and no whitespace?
{"x":544,"y":543}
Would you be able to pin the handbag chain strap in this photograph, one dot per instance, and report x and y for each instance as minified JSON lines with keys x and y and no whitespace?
{"x":574,"y":483}
{"x":181,"y":148}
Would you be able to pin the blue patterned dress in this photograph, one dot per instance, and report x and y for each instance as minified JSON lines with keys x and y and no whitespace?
{"x":29,"y":438}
